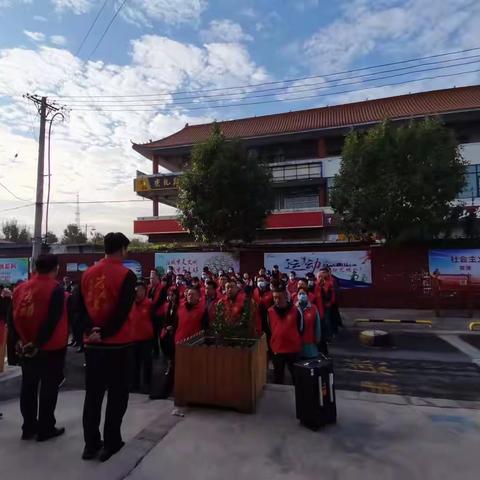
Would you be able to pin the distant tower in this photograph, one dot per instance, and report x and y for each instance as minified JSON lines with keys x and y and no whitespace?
{"x":77,"y":211}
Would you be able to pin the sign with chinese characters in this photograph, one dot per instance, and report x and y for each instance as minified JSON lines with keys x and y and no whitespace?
{"x":455,"y":262}
{"x":352,"y":269}
{"x":154,"y":182}
{"x":194,"y":262}
{"x":12,"y":270}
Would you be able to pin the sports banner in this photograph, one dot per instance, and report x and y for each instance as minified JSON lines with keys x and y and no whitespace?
{"x":352,"y":269}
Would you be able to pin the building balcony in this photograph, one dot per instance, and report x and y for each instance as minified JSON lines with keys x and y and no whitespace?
{"x":284,"y":220}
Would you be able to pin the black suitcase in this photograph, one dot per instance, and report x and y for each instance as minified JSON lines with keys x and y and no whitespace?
{"x":315,"y":392}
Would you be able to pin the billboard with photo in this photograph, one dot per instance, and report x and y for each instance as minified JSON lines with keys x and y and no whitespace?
{"x":194,"y":262}
{"x":352,"y":269}
{"x":12,"y":270}
{"x":455,"y":262}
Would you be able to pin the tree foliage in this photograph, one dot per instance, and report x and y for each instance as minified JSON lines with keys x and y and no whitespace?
{"x":226,"y":195}
{"x":399,"y":182}
{"x":73,"y":235}
{"x":51,"y":238}
{"x":16,"y":233}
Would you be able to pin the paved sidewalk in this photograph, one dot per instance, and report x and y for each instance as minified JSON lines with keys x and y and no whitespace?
{"x":386,"y":437}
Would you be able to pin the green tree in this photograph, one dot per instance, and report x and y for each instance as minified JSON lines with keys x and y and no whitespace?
{"x":51,"y":238}
{"x":226,"y":195}
{"x":399,"y":182}
{"x":97,"y":238}
{"x":16,"y":233}
{"x":73,"y":235}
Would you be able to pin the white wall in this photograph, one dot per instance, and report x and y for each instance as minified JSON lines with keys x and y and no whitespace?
{"x":331,"y":166}
{"x":471,"y":152}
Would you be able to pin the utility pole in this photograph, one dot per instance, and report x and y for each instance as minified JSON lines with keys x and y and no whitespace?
{"x":44,"y":108}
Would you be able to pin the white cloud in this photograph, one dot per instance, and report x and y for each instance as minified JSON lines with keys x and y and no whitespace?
{"x":58,"y":40}
{"x":173,"y":12}
{"x":35,"y":36}
{"x":225,"y":31}
{"x":40,"y":18}
{"x":303,"y":5}
{"x":91,"y":151}
{"x":11,"y":3}
{"x":390,"y":27}
{"x":78,"y":7}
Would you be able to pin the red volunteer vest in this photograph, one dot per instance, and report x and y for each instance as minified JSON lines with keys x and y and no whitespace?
{"x":292,"y":286}
{"x":212,"y":309}
{"x":31,"y":301}
{"x":141,"y":320}
{"x":309,"y":316}
{"x":265,"y":300}
{"x":101,"y":286}
{"x":233,"y":309}
{"x":189,"y":321}
{"x":285,"y":336}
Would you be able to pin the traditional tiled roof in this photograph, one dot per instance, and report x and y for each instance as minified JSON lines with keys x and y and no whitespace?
{"x":349,"y":114}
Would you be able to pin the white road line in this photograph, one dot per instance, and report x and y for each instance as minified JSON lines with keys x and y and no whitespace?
{"x":464,"y":347}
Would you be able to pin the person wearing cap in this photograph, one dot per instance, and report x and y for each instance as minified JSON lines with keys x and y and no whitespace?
{"x":107,"y":295}
{"x":39,"y":324}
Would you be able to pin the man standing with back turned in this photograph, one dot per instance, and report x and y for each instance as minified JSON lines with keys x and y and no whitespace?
{"x":107,"y":295}
{"x":40,"y":329}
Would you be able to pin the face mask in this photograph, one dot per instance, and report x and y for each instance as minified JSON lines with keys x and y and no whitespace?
{"x":262,"y":285}
{"x":311,"y":283}
{"x":292,"y":277}
{"x":302,"y":298}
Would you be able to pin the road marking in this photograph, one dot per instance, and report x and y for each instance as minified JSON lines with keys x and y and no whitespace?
{"x":382,"y":388}
{"x":464,"y":347}
{"x":392,"y":320}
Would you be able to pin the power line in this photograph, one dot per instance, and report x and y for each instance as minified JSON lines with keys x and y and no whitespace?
{"x":261,"y":95}
{"x":291,"y":80}
{"x":91,"y":28}
{"x":293,"y":99}
{"x":11,"y":193}
{"x":106,"y":29}
{"x":17,"y":208}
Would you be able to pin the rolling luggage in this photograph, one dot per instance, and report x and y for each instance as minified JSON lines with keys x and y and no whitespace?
{"x":315,"y":392}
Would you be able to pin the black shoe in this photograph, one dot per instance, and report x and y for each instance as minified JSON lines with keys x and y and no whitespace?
{"x":28,"y":435}
{"x":91,"y":453}
{"x":106,"y":453}
{"x":56,"y":432}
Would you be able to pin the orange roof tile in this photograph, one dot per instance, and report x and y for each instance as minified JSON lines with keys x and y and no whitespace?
{"x":358,"y":113}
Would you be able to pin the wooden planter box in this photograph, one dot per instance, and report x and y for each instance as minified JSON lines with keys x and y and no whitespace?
{"x":224,"y":376}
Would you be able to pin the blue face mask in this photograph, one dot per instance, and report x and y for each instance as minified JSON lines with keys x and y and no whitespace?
{"x":302,"y":298}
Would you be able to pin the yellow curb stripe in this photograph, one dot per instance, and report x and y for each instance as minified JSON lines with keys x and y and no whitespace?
{"x":473,"y":325}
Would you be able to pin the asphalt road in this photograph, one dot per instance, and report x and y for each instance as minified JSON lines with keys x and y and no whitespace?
{"x":417,"y":364}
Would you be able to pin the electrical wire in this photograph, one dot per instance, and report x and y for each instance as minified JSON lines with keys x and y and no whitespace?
{"x":291,"y":80}
{"x":279,"y":100}
{"x":17,"y":208}
{"x":263,"y":95}
{"x":91,"y":28}
{"x":298,"y":88}
{"x":11,"y":193}
{"x":106,"y":29}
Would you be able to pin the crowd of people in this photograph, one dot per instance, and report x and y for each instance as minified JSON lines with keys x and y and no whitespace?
{"x":121,"y":324}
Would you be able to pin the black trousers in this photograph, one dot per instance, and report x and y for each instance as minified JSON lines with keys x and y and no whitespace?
{"x":143,"y":360}
{"x":108,"y":369}
{"x":41,"y":376}
{"x":280,"y":360}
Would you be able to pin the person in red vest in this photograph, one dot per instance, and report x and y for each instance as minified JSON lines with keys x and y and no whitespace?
{"x":302,"y":284}
{"x":107,"y":295}
{"x":312,"y":332}
{"x":263,"y":298}
{"x":326,"y":292}
{"x":192,"y":316}
{"x":222,"y":285}
{"x":40,"y":326}
{"x":286,"y":329}
{"x":157,"y":293}
{"x":141,"y":318}
{"x":233,"y":302}
{"x":292,"y":283}
{"x":211,"y":299}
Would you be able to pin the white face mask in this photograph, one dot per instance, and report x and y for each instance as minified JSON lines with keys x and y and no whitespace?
{"x":262,"y":285}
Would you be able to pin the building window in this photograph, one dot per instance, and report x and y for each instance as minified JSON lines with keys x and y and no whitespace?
{"x":472,"y":185}
{"x":330,"y":184}
{"x":297,"y":200}
{"x":296,"y":171}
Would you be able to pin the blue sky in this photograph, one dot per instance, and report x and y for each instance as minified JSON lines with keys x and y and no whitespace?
{"x":176,"y":45}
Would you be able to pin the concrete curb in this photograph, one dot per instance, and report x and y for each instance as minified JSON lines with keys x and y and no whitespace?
{"x":121,"y":465}
{"x":427,"y":323}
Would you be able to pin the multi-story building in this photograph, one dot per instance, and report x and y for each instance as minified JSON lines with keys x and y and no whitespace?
{"x":303,"y":150}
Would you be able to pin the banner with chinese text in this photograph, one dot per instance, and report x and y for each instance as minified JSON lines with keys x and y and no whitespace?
{"x":194,"y":262}
{"x":455,"y":262}
{"x":12,"y":270}
{"x":352,"y":269}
